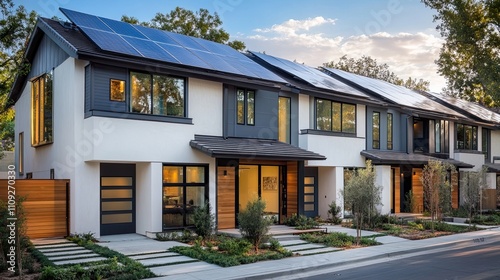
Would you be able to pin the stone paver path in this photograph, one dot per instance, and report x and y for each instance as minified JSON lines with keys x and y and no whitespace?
{"x":63,"y":252}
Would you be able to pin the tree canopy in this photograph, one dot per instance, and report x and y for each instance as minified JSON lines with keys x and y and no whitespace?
{"x":469,"y":58}
{"x":368,"y":67}
{"x":15,"y":26}
{"x":199,"y":24}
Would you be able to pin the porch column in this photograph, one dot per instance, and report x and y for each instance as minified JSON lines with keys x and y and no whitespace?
{"x":383,"y":179}
{"x":339,"y":184}
{"x":149,"y":197}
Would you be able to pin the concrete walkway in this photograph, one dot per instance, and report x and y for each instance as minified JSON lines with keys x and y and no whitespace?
{"x":61,"y":252}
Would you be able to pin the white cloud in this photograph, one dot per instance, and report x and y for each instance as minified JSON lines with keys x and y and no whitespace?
{"x":407,"y":54}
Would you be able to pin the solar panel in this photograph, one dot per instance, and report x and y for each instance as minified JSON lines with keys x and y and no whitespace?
{"x":124,"y":38}
{"x":471,"y":107}
{"x":309,"y":75}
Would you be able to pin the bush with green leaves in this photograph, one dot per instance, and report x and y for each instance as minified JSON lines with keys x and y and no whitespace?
{"x":253,"y":225}
{"x":234,"y":246}
{"x":336,"y":239}
{"x":334,"y":213}
{"x":301,"y":222}
{"x":204,"y":221}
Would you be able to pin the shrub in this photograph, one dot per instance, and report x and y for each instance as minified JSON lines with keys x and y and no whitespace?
{"x":334,"y":212}
{"x":204,"y":221}
{"x":301,"y":222}
{"x":233,"y":246}
{"x":416,"y":226}
{"x":253,"y":225}
{"x":337,"y":239}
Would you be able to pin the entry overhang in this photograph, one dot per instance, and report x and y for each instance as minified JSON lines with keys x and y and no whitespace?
{"x":388,"y":157}
{"x":235,"y":147}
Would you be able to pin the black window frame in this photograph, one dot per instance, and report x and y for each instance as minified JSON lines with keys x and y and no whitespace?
{"x":485,"y":143}
{"x":151,"y":76}
{"x":441,"y":128}
{"x":472,"y":146}
{"x":247,"y":120}
{"x":42,"y":135}
{"x":375,"y":140}
{"x":341,"y":115}
{"x":390,"y":131}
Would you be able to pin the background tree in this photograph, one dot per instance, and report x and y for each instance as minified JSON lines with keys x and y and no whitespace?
{"x":469,"y":57}
{"x":361,"y":195}
{"x":368,"y":67}
{"x":199,"y":24}
{"x":473,"y":184}
{"x":15,"y":26}
{"x":437,"y":188}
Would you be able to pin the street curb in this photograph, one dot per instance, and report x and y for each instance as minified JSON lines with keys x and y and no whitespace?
{"x":341,"y":263}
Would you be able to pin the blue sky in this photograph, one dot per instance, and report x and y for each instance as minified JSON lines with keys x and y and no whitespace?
{"x":400,"y":33}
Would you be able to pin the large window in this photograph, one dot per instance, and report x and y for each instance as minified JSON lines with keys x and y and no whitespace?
{"x":245,"y":106}
{"x":485,"y":142}
{"x":284,"y":119}
{"x":157,"y":94}
{"x":41,"y":110}
{"x":466,"y":137}
{"x":185,"y":188}
{"x":335,"y":116}
{"x":389,"y":131}
{"x":376,"y":130}
{"x":441,"y":136}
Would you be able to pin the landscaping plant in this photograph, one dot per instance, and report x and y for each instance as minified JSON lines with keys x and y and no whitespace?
{"x":204,"y":221}
{"x":473,"y":184}
{"x":334,"y":213}
{"x":253,"y":225}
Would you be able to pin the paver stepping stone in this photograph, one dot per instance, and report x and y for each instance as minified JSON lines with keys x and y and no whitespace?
{"x":139,"y":253}
{"x":286,"y":237}
{"x":166,"y":260}
{"x":152,"y":256}
{"x":303,"y":247}
{"x":182,"y":268}
{"x":292,"y":242}
{"x":77,"y":261}
{"x":317,"y":251}
{"x":70,"y":257}
{"x":50,"y":250}
{"x":63,"y":253}
{"x":50,"y":246}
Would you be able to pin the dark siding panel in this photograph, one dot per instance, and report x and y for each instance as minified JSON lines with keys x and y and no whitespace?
{"x":230,"y":108}
{"x":101,"y":76}
{"x":48,"y":56}
{"x":88,"y":89}
{"x":396,"y":128}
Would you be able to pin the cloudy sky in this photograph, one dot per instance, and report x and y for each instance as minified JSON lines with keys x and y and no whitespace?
{"x":400,"y":33}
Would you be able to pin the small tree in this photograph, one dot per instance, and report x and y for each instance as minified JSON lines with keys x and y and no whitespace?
{"x":361,"y":195}
{"x":473,"y":184}
{"x":204,"y":221}
{"x":334,"y":212}
{"x":437,"y":188}
{"x":253,"y":225}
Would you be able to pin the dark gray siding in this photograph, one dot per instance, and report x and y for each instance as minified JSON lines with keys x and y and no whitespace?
{"x":397,"y":132}
{"x":101,"y":76}
{"x":294,"y":124}
{"x":48,"y":56}
{"x":266,"y":115}
{"x":88,"y":86}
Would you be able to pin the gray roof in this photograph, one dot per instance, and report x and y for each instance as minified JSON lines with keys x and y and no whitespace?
{"x":249,"y":148}
{"x":493,"y":167}
{"x":392,"y":157}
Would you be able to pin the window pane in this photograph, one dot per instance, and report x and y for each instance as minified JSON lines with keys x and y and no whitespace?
{"x":323,"y":114}
{"x":309,"y":180}
{"x":308,"y":189}
{"x":195,"y":174}
{"x":116,"y":218}
{"x":20,"y":151}
{"x":308,"y":207}
{"x":47,"y":109}
{"x":284,"y":120}
{"x":116,"y":181}
{"x":34,"y":111}
{"x":116,"y":205}
{"x":460,"y":136}
{"x":168,"y":96}
{"x":195,"y":197}
{"x":389,"y":131}
{"x":120,"y":193}
{"x":484,"y":142}
{"x":376,"y":130}
{"x":336,"y":117}
{"x":437,"y":132}
{"x":468,"y":137}
{"x":348,"y":118}
{"x":240,"y":100}
{"x":117,"y":90}
{"x":308,"y":198}
{"x":173,"y":174}
{"x":140,"y":100}
{"x":250,"y":107}
{"x":173,"y":207}
{"x":444,"y":136}
{"x":474,"y":138}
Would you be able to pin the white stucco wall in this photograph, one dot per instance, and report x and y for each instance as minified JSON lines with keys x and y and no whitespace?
{"x":495,"y":143}
{"x":339,"y":151}
{"x":383,"y":179}
{"x":476,"y":159}
{"x":327,"y":189}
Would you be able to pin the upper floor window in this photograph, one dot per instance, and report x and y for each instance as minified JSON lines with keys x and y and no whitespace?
{"x":157,"y":94}
{"x":335,"y":116}
{"x":485,"y":142}
{"x":389,"y":131}
{"x":284,"y":121}
{"x":441,"y":137}
{"x":466,"y":136}
{"x":245,"y":106}
{"x":41,"y":110}
{"x":376,"y":130}
{"x":116,"y":90}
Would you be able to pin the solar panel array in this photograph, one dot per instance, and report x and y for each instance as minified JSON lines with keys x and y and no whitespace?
{"x":397,"y":94}
{"x":135,"y":40}
{"x":471,"y":107}
{"x":310,"y":75}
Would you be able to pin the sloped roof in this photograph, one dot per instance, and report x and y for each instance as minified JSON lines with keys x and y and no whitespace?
{"x":232,"y":147}
{"x":392,"y":157}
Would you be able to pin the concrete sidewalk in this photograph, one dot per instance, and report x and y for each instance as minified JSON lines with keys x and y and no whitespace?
{"x":294,"y":265}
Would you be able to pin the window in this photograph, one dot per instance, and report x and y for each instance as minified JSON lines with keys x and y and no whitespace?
{"x":376,"y":130}
{"x":466,"y":137}
{"x":184,"y":189}
{"x":335,"y":116}
{"x":284,"y":119}
{"x":157,"y":94}
{"x":20,"y":152}
{"x":41,"y":110}
{"x":245,"y":106}
{"x":389,"y":131}
{"x":117,"y":90}
{"x":485,"y":142}
{"x":441,"y":137}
